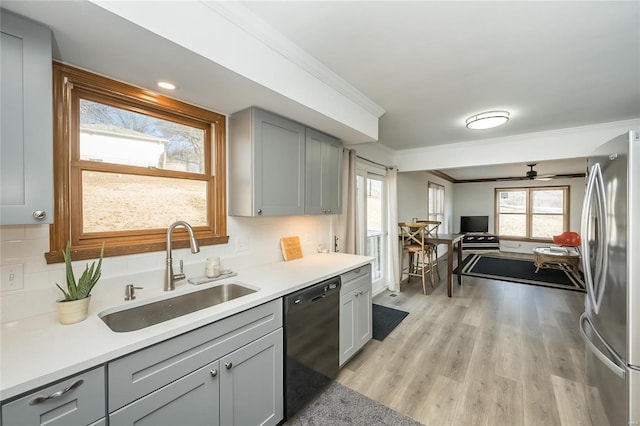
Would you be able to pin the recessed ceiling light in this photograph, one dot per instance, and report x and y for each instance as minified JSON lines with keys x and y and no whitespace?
{"x":487,"y":120}
{"x":166,"y":85}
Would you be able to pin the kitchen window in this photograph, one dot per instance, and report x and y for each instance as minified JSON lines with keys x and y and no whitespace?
{"x":533,"y":213}
{"x":128,"y":163}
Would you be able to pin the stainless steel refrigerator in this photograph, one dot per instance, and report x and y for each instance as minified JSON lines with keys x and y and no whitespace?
{"x":610,"y":324}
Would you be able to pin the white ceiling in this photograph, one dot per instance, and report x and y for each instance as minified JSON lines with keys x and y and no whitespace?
{"x":428,"y":64}
{"x":516,"y":171}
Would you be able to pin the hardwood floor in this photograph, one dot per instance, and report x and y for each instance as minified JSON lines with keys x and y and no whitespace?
{"x":496,"y":353}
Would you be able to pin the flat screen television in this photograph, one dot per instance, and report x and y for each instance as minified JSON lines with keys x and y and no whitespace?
{"x":474,"y":224}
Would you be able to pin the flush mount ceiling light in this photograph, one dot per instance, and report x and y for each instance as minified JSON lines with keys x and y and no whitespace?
{"x":166,"y":85}
{"x":487,"y":120}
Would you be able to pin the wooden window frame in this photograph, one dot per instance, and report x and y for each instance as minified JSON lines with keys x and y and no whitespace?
{"x":68,"y":84}
{"x":529,"y":214}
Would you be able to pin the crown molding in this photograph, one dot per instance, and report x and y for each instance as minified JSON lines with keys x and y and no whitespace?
{"x":249,"y":22}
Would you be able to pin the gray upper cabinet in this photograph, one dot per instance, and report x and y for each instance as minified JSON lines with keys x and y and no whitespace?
{"x":324,"y":172}
{"x":278,"y":167}
{"x":266,"y":165}
{"x":26,"y":141}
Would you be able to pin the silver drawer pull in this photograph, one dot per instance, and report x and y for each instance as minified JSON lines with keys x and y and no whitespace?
{"x":229,"y":365}
{"x":58,"y":394}
{"x":214,"y":372}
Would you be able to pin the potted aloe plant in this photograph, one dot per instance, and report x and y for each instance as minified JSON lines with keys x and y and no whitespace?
{"x":75,"y":305}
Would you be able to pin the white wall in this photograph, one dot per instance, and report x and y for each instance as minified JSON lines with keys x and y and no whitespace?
{"x":477,"y":199}
{"x":412,"y":196}
{"x":253,"y":241}
{"x":412,"y":199}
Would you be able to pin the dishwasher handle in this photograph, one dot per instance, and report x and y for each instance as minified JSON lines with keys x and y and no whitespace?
{"x":322,"y":296}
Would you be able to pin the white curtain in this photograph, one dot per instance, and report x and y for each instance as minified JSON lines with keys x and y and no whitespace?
{"x":393,"y":278}
{"x":348,"y":220}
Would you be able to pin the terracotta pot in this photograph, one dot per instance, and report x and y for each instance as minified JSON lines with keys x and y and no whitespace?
{"x":72,"y":311}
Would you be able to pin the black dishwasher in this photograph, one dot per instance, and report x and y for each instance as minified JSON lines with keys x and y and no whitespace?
{"x":312,"y":342}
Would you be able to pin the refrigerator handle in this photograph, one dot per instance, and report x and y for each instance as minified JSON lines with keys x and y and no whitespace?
{"x":615,"y":368}
{"x":594,"y":184}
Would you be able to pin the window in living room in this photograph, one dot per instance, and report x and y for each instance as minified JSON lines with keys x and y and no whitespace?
{"x":435,"y":202}
{"x":129,"y":163}
{"x":531,"y":213}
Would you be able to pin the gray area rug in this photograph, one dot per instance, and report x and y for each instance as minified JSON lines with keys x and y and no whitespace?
{"x":339,"y":405}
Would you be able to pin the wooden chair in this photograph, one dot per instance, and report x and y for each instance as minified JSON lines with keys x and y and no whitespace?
{"x":417,"y":250}
{"x":431,"y":231}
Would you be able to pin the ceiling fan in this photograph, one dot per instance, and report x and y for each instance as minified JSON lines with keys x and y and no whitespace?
{"x":533,"y":175}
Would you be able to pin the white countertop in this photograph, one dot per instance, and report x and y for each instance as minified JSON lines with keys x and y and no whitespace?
{"x":38,"y":350}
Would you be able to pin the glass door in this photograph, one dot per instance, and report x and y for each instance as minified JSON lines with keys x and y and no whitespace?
{"x":373,"y":219}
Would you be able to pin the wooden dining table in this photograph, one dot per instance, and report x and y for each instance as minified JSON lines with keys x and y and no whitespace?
{"x":453,"y":241}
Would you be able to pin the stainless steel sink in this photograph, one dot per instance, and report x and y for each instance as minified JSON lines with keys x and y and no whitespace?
{"x":142,"y":316}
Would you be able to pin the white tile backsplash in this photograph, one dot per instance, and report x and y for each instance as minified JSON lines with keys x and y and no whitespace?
{"x":27,"y":245}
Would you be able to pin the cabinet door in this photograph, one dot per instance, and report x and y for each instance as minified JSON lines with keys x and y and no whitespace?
{"x":315,"y":189}
{"x":192,"y":400}
{"x":324,"y":171}
{"x":77,"y":401}
{"x":333,"y":167}
{"x":26,"y":140}
{"x":348,"y":318}
{"x":364,"y":316}
{"x":279,"y":165}
{"x":251,"y":383}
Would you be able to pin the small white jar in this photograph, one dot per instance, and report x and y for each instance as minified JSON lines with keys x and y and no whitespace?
{"x":212,"y":267}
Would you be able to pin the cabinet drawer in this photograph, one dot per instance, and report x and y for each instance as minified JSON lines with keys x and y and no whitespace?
{"x":81,"y":405}
{"x":140,"y":373}
{"x":355,"y":278}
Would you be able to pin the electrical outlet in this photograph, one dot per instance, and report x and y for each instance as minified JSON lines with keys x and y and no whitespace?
{"x":11,"y":276}
{"x":242,"y":244}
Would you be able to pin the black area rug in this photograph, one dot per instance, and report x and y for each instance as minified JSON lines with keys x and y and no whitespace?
{"x":385,"y":320}
{"x":341,"y":406}
{"x":521,"y":271}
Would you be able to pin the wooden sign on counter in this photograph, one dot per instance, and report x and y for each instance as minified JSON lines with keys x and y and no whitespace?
{"x":291,"y":248}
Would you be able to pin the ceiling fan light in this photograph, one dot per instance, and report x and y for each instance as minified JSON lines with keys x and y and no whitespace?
{"x":487,"y":120}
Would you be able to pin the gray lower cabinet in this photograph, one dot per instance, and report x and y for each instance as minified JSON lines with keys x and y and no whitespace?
{"x":193,"y":400}
{"x":243,"y":388}
{"x":251,"y":383}
{"x":228,"y":372}
{"x":324,"y":174}
{"x":26,"y":111}
{"x":355,"y":312}
{"x":77,"y":401}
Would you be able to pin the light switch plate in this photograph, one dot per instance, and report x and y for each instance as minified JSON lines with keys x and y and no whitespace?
{"x":11,"y":277}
